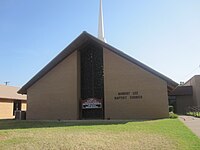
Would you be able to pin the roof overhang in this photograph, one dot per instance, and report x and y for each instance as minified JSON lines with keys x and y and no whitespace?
{"x":81,"y":40}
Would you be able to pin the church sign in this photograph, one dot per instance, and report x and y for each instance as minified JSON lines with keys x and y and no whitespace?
{"x":135,"y":95}
{"x":91,"y":103}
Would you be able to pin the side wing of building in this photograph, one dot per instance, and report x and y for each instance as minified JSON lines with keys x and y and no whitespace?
{"x":195,"y":83}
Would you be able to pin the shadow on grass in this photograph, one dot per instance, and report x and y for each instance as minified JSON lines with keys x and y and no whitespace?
{"x":26,"y":124}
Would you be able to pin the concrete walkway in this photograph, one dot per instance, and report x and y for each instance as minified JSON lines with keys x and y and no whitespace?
{"x":192,"y":122}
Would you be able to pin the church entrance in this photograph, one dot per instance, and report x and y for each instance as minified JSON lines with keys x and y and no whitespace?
{"x":92,"y":82}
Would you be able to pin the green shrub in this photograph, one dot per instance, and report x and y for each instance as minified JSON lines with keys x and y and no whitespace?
{"x":195,"y":114}
{"x":172,"y":115}
{"x":171,"y":108}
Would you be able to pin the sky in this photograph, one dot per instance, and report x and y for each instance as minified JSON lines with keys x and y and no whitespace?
{"x":163,"y":34}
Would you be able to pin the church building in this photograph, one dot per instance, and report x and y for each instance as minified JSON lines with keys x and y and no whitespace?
{"x":90,"y":79}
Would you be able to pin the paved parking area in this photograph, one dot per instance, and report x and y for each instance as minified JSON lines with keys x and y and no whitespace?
{"x":192,"y":122}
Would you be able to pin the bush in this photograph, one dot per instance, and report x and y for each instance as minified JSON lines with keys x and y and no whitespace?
{"x":172,"y":115}
{"x":195,"y":114}
{"x":171,"y":109}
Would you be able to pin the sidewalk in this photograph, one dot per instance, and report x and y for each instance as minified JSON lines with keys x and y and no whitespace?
{"x":191,"y":122}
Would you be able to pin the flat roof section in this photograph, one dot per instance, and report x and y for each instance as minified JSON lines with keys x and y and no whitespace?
{"x":182,"y":90}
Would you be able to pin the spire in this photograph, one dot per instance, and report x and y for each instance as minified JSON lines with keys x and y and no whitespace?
{"x":101,"y":25}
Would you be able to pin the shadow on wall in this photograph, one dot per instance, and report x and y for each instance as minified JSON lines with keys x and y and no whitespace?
{"x":25,"y":124}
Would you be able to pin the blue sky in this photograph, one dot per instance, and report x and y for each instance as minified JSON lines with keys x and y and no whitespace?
{"x":163,"y":34}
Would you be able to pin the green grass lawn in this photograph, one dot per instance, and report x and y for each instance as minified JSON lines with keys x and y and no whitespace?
{"x":167,"y":134}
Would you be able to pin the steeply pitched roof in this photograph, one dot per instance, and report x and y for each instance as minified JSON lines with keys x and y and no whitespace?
{"x":10,"y":92}
{"x":78,"y":42}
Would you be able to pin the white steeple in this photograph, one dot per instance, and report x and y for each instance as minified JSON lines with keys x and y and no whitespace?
{"x":101,"y":25}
